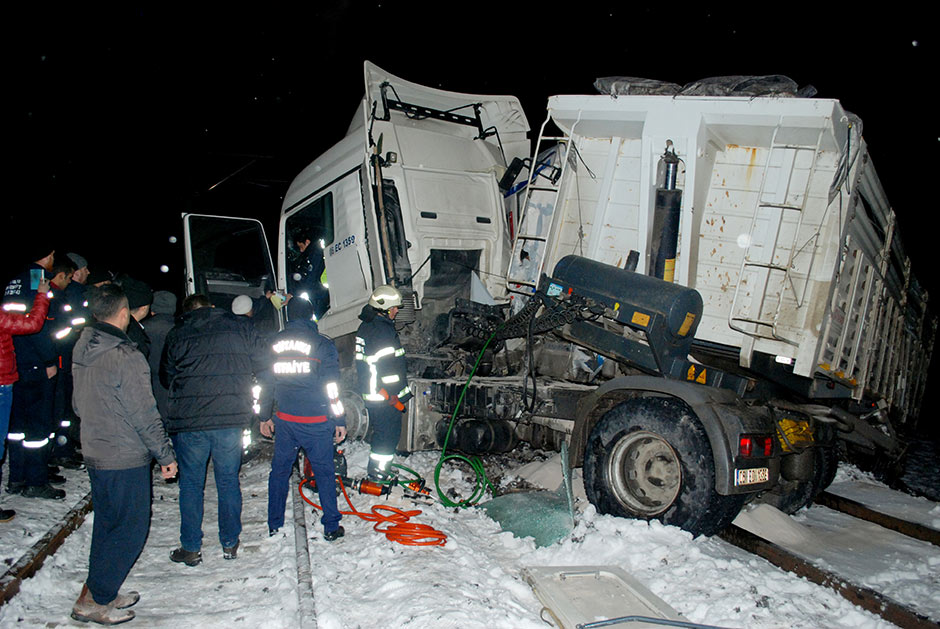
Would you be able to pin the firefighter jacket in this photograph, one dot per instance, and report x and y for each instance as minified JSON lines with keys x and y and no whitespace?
{"x":17,"y":323}
{"x":305,"y":375}
{"x":34,"y":352}
{"x":380,"y":359}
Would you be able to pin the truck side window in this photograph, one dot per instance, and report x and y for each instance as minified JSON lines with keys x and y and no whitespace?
{"x":310,"y":231}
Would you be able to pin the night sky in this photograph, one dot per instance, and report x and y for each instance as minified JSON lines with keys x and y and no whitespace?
{"x":122,"y":119}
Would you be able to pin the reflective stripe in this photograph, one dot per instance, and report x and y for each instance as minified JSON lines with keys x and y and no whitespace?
{"x":79,"y":321}
{"x":65,"y":423}
{"x":360,"y":356}
{"x":404,"y":391}
{"x":372,"y":397}
{"x":389,"y":379}
{"x":337,"y":408}
{"x":400,"y":351}
{"x":14,"y":307}
{"x":332,"y":391}
{"x":385,"y":351}
{"x":16,"y":436}
{"x":61,"y":334}
{"x":35,"y":444}
{"x":67,"y":308}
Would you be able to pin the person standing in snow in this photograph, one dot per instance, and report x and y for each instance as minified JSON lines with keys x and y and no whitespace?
{"x":380,"y":363}
{"x":15,"y":324}
{"x":209,"y":363}
{"x":305,"y":374}
{"x":121,"y":433}
{"x":31,"y":418}
{"x":159,"y":324}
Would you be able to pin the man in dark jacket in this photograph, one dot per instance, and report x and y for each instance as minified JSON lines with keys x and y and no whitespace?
{"x":121,"y":433}
{"x":31,"y":418}
{"x":208,"y":364}
{"x":383,"y":383}
{"x":159,"y":325}
{"x":305,"y":374}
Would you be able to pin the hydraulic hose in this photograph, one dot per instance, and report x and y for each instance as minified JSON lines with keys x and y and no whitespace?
{"x":475,"y":463}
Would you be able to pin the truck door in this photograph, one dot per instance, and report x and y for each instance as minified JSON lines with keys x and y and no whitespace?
{"x":227,"y":257}
{"x":333,"y":221}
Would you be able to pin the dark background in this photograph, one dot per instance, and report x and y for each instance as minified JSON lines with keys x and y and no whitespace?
{"x":121,"y":119}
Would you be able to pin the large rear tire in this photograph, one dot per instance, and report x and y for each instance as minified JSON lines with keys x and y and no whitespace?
{"x":649,"y":458}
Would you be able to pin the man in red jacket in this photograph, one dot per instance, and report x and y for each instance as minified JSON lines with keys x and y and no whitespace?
{"x":13,"y":323}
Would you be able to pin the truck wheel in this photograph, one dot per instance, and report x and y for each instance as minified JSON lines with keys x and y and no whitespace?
{"x":791,"y":496}
{"x":649,"y":458}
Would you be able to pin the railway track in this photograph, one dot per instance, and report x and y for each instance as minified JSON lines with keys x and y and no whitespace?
{"x":866,"y":598}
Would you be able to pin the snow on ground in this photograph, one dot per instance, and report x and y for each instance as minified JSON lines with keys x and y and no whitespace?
{"x":364,"y":580}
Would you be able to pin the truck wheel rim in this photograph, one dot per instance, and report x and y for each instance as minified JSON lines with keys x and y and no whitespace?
{"x":645,"y":473}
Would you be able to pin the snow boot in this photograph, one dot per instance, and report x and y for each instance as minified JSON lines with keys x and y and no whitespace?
{"x":188,"y":557}
{"x":332,"y":536}
{"x":230,"y":553}
{"x":86,"y":609}
{"x":7,"y":514}
{"x":43,"y":491}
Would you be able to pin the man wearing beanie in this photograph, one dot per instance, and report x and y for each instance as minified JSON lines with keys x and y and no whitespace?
{"x":139,"y":298}
{"x":305,"y":371}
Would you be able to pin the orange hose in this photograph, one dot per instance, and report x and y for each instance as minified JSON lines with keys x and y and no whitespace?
{"x":398,"y":528}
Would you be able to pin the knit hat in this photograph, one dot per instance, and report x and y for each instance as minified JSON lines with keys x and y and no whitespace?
{"x":164,"y":302}
{"x":299,"y":309}
{"x":138,"y":293}
{"x":80,"y":262}
{"x":242,"y":305}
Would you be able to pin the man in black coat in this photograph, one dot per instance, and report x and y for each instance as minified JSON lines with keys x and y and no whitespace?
{"x":208,"y":365}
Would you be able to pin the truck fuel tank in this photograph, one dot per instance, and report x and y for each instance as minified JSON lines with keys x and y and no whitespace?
{"x":632,"y":299}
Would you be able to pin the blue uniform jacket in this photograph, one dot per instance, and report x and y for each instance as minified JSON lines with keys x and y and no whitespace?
{"x":303,"y":363}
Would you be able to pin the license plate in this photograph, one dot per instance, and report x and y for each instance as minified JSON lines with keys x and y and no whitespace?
{"x":751,"y":476}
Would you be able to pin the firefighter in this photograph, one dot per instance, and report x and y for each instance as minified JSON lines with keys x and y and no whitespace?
{"x":305,"y":373}
{"x":380,"y":363}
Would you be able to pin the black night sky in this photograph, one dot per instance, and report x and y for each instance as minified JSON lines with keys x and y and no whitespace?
{"x":121,"y":119}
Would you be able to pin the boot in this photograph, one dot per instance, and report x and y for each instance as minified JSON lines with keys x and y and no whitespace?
{"x":188,"y":557}
{"x":7,"y":514}
{"x":43,"y":491}
{"x":86,"y":609}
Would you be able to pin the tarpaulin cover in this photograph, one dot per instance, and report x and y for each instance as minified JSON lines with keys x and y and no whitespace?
{"x":749,"y":86}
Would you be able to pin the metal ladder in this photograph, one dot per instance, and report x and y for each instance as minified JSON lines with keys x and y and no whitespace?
{"x":763,"y":265}
{"x":531,"y":245}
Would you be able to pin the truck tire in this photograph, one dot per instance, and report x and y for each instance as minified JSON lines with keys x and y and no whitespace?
{"x":791,"y":496}
{"x":649,"y":458}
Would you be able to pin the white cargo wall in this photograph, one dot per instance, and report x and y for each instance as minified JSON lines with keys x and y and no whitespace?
{"x":758,"y":237}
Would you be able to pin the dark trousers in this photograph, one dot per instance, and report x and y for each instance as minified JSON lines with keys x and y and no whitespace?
{"x":385,"y":422}
{"x":121,"y":500}
{"x":317,"y":442}
{"x":30,"y":426}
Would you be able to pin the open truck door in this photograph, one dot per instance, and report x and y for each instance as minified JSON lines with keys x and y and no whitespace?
{"x":227,"y":257}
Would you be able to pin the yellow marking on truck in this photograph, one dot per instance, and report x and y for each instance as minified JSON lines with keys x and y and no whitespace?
{"x":640,"y":319}
{"x":687,"y":324}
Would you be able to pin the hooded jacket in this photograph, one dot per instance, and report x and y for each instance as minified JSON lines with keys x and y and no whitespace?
{"x":208,"y":364}
{"x":380,"y":358}
{"x":121,"y":427}
{"x":15,"y":323}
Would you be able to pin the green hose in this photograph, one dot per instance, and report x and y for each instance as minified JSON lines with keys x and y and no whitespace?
{"x":476,"y":464}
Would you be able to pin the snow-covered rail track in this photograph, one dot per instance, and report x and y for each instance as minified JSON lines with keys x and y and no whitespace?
{"x":858,"y":510}
{"x":866,"y":598}
{"x":32,"y":559}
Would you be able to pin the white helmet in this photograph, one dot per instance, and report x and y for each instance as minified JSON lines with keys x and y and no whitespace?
{"x":385,"y":298}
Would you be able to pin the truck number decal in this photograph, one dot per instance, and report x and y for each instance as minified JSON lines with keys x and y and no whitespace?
{"x":339,"y":245}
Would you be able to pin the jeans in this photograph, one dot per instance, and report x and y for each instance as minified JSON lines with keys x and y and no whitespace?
{"x":193,"y":451}
{"x":317,"y":442}
{"x":6,"y":403}
{"x":121,"y":500}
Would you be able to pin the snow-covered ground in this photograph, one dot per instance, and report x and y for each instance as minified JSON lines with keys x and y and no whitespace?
{"x":475,"y":580}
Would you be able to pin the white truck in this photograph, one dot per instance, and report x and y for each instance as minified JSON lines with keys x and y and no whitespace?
{"x":704,"y":296}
